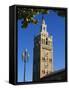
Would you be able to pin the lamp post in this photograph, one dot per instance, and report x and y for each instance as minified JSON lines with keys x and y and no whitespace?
{"x":25,"y":57}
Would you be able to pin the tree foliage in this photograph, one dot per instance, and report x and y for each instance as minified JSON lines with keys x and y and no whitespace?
{"x":28,"y":14}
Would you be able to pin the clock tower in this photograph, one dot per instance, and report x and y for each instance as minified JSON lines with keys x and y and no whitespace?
{"x":42,"y":53}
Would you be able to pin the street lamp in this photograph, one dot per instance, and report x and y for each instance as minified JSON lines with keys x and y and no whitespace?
{"x":25,"y":57}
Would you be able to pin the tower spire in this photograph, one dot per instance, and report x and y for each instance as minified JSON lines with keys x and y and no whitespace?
{"x":43,"y":26}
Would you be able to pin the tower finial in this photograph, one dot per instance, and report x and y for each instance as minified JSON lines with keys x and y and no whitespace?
{"x":43,"y":26}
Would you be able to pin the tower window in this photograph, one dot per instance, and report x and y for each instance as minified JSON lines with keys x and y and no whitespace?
{"x":44,"y":28}
{"x":46,"y":41}
{"x":43,"y":71}
{"x":50,"y":60}
{"x":43,"y":58}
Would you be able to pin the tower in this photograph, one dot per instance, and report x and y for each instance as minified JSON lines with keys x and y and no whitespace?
{"x":42,"y":53}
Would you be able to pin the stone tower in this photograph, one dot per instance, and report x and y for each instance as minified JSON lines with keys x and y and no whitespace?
{"x":42,"y":53}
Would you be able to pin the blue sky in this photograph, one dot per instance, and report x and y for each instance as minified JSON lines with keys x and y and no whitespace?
{"x":56,"y":28}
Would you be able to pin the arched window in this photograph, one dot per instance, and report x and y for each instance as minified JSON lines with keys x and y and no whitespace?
{"x":44,"y":28}
{"x":46,"y":41}
{"x":43,"y":71}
